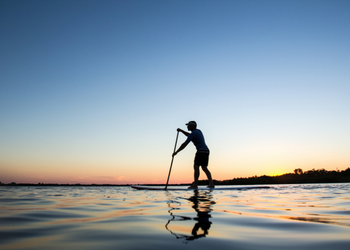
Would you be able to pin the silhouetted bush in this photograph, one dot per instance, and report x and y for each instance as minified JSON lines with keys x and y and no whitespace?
{"x":311,"y":176}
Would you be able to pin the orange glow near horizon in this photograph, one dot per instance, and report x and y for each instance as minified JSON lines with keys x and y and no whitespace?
{"x":152,"y":165}
{"x":108,"y":175}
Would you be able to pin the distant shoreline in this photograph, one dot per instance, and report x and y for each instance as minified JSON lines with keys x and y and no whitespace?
{"x":127,"y":185}
{"x":298,"y":177}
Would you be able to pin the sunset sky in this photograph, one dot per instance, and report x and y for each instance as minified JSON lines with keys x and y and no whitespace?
{"x":93,"y":91}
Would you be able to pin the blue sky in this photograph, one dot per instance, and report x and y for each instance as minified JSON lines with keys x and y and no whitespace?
{"x":93,"y":91}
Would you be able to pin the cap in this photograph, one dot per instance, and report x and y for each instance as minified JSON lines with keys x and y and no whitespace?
{"x":191,"y":123}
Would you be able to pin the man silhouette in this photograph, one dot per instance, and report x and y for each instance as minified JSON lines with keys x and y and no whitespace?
{"x":202,"y":155}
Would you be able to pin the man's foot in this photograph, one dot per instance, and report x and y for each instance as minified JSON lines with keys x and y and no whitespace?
{"x":211,"y":186}
{"x":193,"y":187}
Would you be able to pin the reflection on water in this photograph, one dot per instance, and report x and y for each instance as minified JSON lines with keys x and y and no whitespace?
{"x":202,"y":204}
{"x":310,"y":217}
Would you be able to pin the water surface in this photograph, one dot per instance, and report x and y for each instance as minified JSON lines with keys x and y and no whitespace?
{"x":312,"y":216}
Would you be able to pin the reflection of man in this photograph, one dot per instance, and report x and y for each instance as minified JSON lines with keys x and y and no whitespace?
{"x":203,"y":223}
{"x":202,"y":205}
{"x":202,"y":155}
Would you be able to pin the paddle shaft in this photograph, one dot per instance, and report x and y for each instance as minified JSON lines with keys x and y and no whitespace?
{"x":172,"y":159}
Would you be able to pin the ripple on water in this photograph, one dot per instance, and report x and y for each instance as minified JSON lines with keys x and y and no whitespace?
{"x":283,"y":217}
{"x":53,"y":215}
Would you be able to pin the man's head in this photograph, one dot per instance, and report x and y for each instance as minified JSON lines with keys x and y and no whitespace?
{"x":192,"y":125}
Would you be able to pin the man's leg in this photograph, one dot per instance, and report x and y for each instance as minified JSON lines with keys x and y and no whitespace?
{"x":196,"y":176}
{"x":207,"y":172}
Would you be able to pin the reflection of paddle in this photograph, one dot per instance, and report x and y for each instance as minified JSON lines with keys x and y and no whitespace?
{"x":172,"y":159}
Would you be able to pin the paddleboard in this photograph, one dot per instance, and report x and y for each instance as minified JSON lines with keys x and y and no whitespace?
{"x":183,"y":188}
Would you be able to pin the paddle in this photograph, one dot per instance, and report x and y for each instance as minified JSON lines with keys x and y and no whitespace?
{"x":172,"y":159}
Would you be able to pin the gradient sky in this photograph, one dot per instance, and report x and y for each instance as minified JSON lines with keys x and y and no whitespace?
{"x":93,"y":91}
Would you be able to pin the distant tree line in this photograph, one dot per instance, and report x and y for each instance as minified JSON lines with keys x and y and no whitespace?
{"x":299,"y":176}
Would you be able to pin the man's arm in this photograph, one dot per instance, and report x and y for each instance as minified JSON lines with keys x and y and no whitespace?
{"x":184,"y":132}
{"x":183,"y":145}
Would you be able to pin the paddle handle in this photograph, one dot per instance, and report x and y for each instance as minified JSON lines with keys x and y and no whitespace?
{"x":172,"y":159}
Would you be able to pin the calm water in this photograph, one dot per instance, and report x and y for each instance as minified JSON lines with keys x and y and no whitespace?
{"x":315,"y":216}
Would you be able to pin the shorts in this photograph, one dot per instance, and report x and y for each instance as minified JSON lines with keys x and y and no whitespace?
{"x":201,"y":159}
